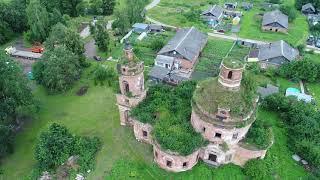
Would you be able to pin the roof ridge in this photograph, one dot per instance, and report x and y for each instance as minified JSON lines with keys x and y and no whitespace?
{"x":183,"y":39}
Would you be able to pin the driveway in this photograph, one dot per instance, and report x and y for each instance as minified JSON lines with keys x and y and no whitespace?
{"x":152,"y":4}
{"x":90,"y":49}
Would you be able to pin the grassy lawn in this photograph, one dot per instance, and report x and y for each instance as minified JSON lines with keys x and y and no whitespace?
{"x":251,"y":28}
{"x":94,"y":114}
{"x":211,"y":57}
{"x":172,"y":12}
{"x":279,"y":155}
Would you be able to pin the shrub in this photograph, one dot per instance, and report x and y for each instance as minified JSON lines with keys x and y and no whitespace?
{"x":256,"y":169}
{"x":169,"y":110}
{"x":259,"y":135}
{"x":57,"y":144}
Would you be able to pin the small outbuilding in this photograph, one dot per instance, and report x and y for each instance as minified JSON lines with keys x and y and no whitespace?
{"x":140,"y":28}
{"x":155,"y":28}
{"x":267,"y":91}
{"x":213,"y":16}
{"x":308,"y":9}
{"x":300,"y":96}
{"x":275,"y":21}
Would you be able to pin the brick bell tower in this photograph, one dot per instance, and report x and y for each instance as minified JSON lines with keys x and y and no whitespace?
{"x":231,"y":74}
{"x":131,"y":82}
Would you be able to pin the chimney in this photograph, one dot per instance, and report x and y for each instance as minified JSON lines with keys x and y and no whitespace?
{"x":128,"y":51}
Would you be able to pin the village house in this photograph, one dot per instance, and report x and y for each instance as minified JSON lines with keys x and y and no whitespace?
{"x":274,"y":54}
{"x":185,"y":47}
{"x":213,"y":16}
{"x":308,"y":9}
{"x":176,"y":60}
{"x":230,"y":5}
{"x":275,"y":21}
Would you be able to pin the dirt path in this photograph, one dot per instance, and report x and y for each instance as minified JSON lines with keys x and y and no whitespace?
{"x":90,"y":48}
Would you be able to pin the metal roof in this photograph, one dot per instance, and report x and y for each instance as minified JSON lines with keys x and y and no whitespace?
{"x":140,"y":26}
{"x":277,"y":49}
{"x":27,"y":54}
{"x":159,"y":72}
{"x":165,"y":59}
{"x":275,"y":17}
{"x":269,"y":90}
{"x":214,"y":11}
{"x":187,"y":42}
{"x":307,"y":6}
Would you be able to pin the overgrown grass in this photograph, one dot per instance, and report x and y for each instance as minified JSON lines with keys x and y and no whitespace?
{"x":211,"y":57}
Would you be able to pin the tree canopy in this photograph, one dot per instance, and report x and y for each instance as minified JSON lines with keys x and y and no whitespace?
{"x":57,"y":144}
{"x":14,"y":93}
{"x":57,"y":70}
{"x":101,"y":37}
{"x":63,"y":36}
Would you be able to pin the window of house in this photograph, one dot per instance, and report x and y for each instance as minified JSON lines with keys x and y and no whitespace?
{"x":124,"y":69}
{"x":169,"y":163}
{"x":204,"y":129}
{"x":145,"y":133}
{"x":235,"y":136}
{"x":156,"y":154}
{"x":185,"y":164}
{"x":217,"y":135}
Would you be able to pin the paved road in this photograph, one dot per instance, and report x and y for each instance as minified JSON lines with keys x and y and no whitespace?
{"x":90,"y":48}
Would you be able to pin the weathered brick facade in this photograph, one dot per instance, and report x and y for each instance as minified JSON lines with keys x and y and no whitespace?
{"x":174,"y":162}
{"x":230,"y":78}
{"x":224,"y":135}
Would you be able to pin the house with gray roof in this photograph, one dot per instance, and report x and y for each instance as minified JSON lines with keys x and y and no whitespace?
{"x":308,"y":9}
{"x":275,"y":21}
{"x":185,"y":47}
{"x":267,"y":91}
{"x":213,"y":16}
{"x":140,"y":27}
{"x":273,"y":54}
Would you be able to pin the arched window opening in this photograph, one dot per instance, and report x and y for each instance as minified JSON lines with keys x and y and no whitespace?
{"x":230,"y":75}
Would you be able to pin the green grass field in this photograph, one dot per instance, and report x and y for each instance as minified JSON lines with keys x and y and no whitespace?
{"x":251,"y":28}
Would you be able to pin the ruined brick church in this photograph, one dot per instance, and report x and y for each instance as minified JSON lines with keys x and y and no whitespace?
{"x":219,"y":114}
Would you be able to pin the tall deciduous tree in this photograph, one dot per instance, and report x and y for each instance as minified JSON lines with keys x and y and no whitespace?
{"x":14,"y":93}
{"x":61,"y":35}
{"x":108,"y":7}
{"x":102,"y":38}
{"x":58,"y":69}
{"x":38,"y":20}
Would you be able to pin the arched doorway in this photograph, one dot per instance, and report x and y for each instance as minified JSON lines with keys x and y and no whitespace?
{"x":125,"y":86}
{"x":230,"y":75}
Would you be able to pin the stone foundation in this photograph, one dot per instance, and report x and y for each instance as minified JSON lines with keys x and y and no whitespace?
{"x":172,"y":161}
